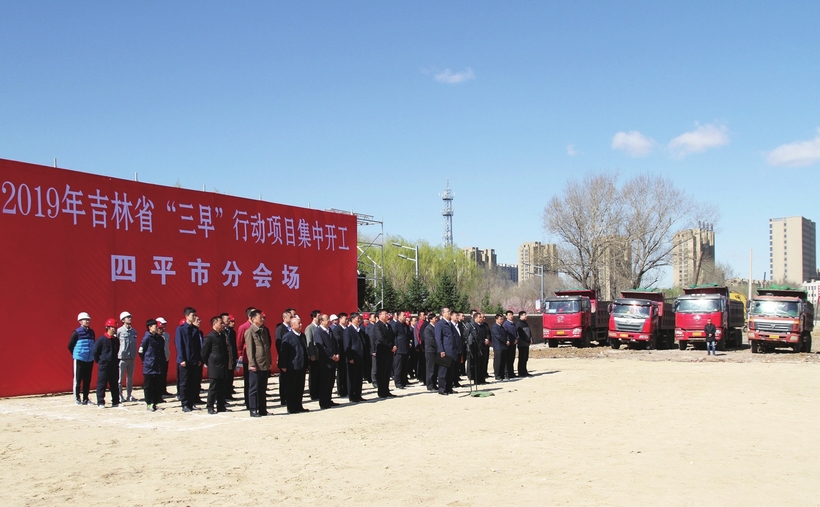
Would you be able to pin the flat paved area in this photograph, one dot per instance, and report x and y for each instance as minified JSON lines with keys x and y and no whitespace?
{"x":597,"y":430}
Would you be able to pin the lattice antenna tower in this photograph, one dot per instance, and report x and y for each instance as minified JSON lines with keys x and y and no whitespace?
{"x":447,"y":213}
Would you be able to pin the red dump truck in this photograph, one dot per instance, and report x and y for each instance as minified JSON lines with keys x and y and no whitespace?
{"x":575,"y":316}
{"x":697,"y":305}
{"x":642,"y":317}
{"x":780,"y":316}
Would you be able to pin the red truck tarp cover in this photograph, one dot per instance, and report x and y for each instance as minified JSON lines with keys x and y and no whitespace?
{"x":76,"y":242}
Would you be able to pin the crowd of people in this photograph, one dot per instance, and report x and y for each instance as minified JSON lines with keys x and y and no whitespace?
{"x":342,"y":351}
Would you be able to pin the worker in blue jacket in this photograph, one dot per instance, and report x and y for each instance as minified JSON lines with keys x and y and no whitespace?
{"x":81,"y":346}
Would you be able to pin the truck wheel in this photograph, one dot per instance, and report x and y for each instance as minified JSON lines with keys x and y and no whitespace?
{"x":553,"y":344}
{"x":721,"y":344}
{"x":738,"y":339}
{"x":807,"y":345}
{"x":652,"y":342}
{"x":682,"y":344}
{"x":798,"y":347}
{"x":586,"y":339}
{"x":754,"y":347}
{"x":614,"y":343}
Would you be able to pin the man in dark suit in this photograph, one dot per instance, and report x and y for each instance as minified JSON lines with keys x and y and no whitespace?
{"x":327,"y":356}
{"x":281,"y":329}
{"x":292,"y":363}
{"x":524,"y":335}
{"x":446,"y":337}
{"x":385,"y":345}
{"x":403,"y":344}
{"x":482,"y":339}
{"x":354,"y":339}
{"x":500,"y":345}
{"x":230,"y":336}
{"x":217,"y":355}
{"x":509,"y":329}
{"x":189,"y":358}
{"x":428,"y":332}
{"x":338,"y":331}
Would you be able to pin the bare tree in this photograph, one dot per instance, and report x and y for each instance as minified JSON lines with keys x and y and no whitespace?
{"x":585,"y":219}
{"x":613,"y":238}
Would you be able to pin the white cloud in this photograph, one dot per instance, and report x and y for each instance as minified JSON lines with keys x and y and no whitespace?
{"x":701,"y":139}
{"x":571,"y":151}
{"x":633,"y":142}
{"x":447,"y":76}
{"x":796,"y":154}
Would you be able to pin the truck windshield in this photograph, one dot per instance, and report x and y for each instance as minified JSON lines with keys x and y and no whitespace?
{"x":562,"y":306}
{"x":630,"y":310}
{"x":775,"y":308}
{"x":697,"y":305}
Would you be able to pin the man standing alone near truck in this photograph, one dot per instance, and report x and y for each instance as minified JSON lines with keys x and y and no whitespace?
{"x":710,"y":331}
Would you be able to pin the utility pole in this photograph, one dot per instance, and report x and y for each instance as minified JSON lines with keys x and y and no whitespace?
{"x":414,"y":259}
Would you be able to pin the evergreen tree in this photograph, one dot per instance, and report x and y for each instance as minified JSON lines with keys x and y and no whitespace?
{"x":392,"y":299}
{"x":446,"y":293}
{"x":416,"y":296}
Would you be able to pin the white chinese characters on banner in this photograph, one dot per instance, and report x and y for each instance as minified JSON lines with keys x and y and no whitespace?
{"x":162,"y":267}
{"x":123,"y":267}
{"x":290,"y":277}
{"x":233,"y":272}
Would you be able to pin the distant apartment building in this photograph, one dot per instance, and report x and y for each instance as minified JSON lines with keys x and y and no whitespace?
{"x":693,"y":255}
{"x":532,"y":254}
{"x":508,"y":272}
{"x":484,"y":259}
{"x":813,"y":292}
{"x":792,"y":250}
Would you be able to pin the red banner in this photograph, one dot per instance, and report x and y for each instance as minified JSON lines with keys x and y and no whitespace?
{"x":76,"y":242}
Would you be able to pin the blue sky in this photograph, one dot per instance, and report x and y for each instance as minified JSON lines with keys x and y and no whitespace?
{"x":373,"y":106}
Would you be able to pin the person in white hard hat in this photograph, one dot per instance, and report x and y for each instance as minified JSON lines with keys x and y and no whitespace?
{"x":127,"y":355}
{"x":81,"y":346}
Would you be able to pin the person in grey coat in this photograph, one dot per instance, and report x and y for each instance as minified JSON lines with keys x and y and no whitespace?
{"x":127,"y":336}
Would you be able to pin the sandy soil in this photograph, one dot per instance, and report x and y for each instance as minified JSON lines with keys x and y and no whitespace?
{"x":610,"y":428}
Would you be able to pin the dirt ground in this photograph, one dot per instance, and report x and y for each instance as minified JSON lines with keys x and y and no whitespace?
{"x":602,"y":428}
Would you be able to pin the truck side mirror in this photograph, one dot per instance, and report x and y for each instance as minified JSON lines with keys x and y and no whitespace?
{"x":609,"y":307}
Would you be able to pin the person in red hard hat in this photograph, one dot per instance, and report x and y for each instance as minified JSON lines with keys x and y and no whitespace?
{"x":106,"y":350}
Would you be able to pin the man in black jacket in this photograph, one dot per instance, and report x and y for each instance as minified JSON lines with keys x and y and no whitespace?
{"x":354,"y":348}
{"x":428,"y":332}
{"x":293,"y":360}
{"x":483,"y":340}
{"x":385,"y":345}
{"x":711,"y":332}
{"x":338,"y":333}
{"x":108,"y":366}
{"x":472,"y":350}
{"x":217,"y":355}
{"x":501,"y":343}
{"x":524,"y":335}
{"x":228,"y":322}
{"x":403,"y":342}
{"x":278,"y":333}
{"x":327,"y":356}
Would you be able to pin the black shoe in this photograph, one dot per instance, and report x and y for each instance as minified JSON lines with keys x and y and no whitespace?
{"x":443,"y":393}
{"x":334,"y":404}
{"x":255,"y":414}
{"x":187,"y":409}
{"x":401,"y":387}
{"x":304,"y":409}
{"x":211,"y":411}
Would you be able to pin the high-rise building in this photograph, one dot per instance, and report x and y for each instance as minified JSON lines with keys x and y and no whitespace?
{"x":792,"y":250}
{"x":508,"y":272}
{"x":532,"y":254}
{"x":481,"y":258}
{"x":693,"y":255}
